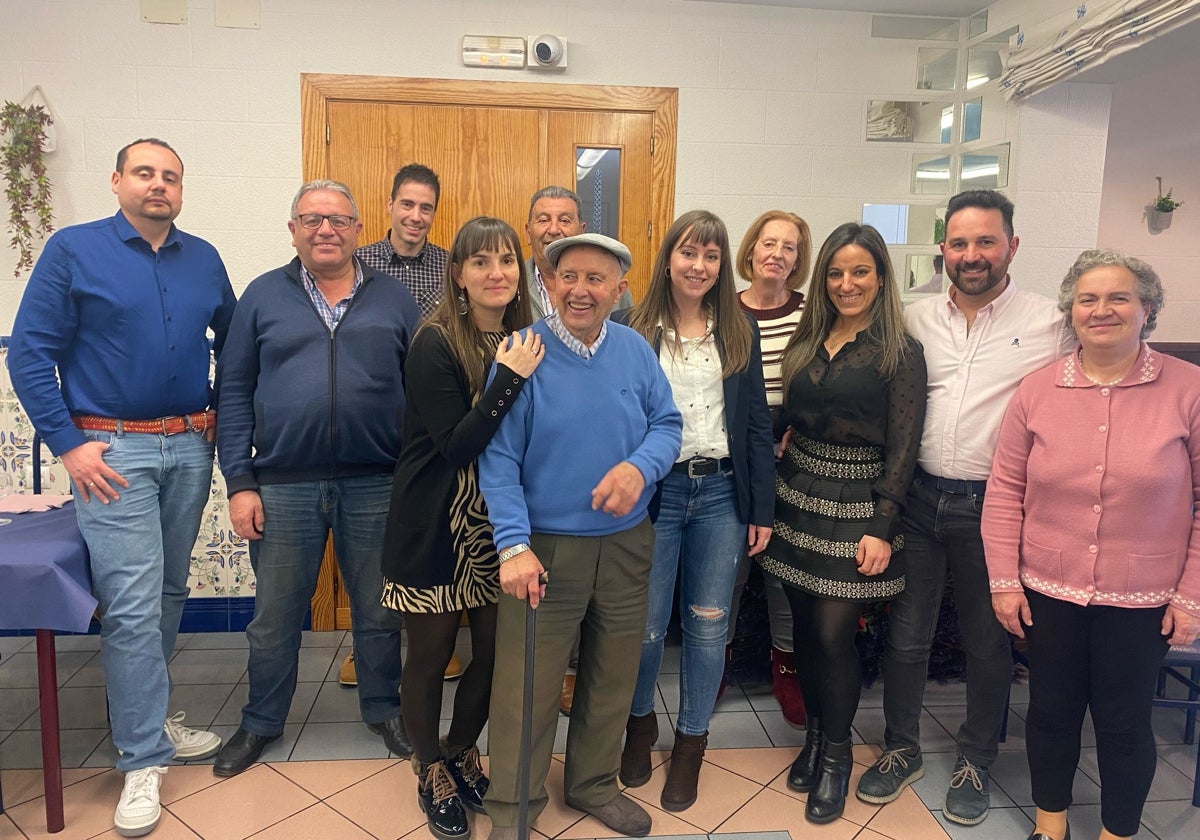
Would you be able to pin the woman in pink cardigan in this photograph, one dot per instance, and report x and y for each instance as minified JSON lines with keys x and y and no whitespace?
{"x":1092,"y":546}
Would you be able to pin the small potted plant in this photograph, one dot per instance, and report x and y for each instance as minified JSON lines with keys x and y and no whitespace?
{"x":1162,"y":211}
{"x":26,"y":184}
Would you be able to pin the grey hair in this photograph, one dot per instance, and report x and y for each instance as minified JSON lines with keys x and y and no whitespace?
{"x":1146,"y":284}
{"x":325,"y":184}
{"x":555,"y":191}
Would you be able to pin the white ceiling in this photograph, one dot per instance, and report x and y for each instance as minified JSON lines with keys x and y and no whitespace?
{"x":944,"y":8}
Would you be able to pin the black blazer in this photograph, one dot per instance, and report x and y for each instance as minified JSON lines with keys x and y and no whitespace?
{"x":748,"y":425}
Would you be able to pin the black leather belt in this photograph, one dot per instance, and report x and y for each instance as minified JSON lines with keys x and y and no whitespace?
{"x":957,"y":486}
{"x":699,"y":467}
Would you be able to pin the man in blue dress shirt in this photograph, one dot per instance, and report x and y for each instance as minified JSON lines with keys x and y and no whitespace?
{"x":110,"y":358}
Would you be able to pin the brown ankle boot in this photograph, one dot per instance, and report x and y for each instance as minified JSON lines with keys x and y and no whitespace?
{"x":640,"y":735}
{"x":688,"y":754}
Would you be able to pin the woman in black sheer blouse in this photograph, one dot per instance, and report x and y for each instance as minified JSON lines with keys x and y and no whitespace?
{"x":854,"y":401}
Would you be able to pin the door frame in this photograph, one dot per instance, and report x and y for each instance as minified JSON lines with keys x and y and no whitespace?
{"x":318,"y":89}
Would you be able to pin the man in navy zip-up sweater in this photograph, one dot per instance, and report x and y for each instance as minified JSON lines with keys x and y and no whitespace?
{"x":312,"y":400}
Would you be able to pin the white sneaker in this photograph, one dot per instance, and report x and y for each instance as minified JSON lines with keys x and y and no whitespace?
{"x":138,"y":811}
{"x":190,"y":743}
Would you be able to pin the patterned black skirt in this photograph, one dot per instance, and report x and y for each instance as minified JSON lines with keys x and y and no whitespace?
{"x":823,"y":505}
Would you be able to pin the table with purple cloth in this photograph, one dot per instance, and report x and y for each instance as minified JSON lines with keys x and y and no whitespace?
{"x":45,"y":586}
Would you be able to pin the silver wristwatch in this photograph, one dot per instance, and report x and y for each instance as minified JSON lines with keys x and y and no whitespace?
{"x":512,"y":551}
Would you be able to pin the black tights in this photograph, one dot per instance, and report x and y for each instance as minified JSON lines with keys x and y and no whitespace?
{"x":431,"y":638}
{"x":826,"y":659}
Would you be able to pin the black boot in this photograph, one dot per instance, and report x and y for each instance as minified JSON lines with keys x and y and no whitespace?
{"x":640,"y":734}
{"x":803,"y":774}
{"x":468,"y":775}
{"x":438,"y":797}
{"x":828,"y":797}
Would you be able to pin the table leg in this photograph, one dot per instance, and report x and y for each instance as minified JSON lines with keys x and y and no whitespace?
{"x":51,"y":754}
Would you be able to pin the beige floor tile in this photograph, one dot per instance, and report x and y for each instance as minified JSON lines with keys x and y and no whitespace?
{"x":868,"y":834}
{"x":324,"y":778}
{"x":384,"y":804}
{"x":169,"y":828}
{"x":907,"y":819}
{"x":8,"y":830}
{"x":773,"y":811}
{"x":23,"y":785}
{"x":320,"y":822}
{"x":719,"y":794}
{"x":182,"y":780}
{"x":87,"y":808}
{"x":243,"y":805}
{"x":759,"y":765}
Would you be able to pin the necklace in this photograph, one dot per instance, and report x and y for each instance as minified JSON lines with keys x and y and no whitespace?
{"x":1099,"y":381}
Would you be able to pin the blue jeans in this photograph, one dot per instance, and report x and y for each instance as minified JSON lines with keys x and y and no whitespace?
{"x":296,"y":520}
{"x":141,"y":551}
{"x":700,"y":538}
{"x":941,"y":530}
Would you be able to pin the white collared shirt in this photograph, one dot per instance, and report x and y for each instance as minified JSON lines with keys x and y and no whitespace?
{"x":694,"y":371}
{"x":973,"y":375}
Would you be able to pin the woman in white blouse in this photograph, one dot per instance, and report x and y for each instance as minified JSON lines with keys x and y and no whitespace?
{"x":717,"y":502}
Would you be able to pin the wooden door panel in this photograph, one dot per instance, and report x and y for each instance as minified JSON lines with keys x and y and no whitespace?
{"x":630,"y":133}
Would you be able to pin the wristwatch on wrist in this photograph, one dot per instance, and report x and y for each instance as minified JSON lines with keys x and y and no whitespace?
{"x":512,"y":551}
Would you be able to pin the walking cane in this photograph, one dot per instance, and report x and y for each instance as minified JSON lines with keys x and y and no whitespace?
{"x":526,"y":719}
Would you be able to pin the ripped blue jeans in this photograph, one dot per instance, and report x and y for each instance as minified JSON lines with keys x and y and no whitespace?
{"x":700,"y":538}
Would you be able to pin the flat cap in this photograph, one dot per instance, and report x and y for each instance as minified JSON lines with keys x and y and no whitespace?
{"x":556,"y":248}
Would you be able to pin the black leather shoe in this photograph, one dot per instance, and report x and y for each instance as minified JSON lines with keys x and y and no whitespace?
{"x":440,"y":802}
{"x":392,"y":732}
{"x":803,"y":773}
{"x":240,"y":751}
{"x":1037,"y":835}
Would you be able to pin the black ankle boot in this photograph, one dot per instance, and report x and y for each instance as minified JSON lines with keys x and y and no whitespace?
{"x":438,"y":797}
{"x":803,"y":774}
{"x":468,"y":776}
{"x":827,"y":800}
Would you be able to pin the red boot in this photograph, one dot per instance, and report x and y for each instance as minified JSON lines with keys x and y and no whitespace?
{"x":787,"y":687}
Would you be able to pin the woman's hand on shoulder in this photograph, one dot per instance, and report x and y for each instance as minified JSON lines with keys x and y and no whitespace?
{"x":874,"y":555}
{"x":521,"y":353}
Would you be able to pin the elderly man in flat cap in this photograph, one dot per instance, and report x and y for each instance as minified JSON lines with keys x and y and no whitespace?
{"x":568,"y":480}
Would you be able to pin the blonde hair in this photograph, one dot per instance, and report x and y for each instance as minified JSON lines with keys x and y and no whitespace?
{"x":730,"y":327}
{"x":799,"y":275}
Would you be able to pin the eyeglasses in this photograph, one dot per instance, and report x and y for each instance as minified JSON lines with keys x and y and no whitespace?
{"x":312,"y":221}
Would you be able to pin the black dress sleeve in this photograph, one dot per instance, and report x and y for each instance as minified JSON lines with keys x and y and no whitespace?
{"x":438,"y":394}
{"x":905,"y":422}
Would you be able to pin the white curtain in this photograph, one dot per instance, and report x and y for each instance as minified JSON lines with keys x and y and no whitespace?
{"x":1100,"y":31}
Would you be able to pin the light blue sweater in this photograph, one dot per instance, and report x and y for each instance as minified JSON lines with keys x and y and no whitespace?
{"x":575,"y":420}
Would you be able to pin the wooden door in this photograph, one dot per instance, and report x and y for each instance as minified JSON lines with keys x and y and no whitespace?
{"x":493,"y":144}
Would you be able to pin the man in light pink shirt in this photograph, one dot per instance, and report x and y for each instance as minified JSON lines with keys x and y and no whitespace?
{"x":980,"y":340}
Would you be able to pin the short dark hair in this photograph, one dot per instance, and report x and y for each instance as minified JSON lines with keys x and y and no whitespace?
{"x":419,"y":174}
{"x":984,"y":200}
{"x":153,"y":141}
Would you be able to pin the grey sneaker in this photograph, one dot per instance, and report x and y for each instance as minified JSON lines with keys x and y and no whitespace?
{"x":887,"y":778}
{"x":969,"y":796}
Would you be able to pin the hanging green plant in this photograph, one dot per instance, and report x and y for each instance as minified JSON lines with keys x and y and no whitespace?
{"x":26,"y":185}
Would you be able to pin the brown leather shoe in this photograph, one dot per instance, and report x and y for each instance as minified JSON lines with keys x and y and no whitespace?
{"x":621,"y":814}
{"x":566,"y":697}
{"x":640,"y":735}
{"x":454,"y":668}
{"x":347,"y":675}
{"x":679,"y":793}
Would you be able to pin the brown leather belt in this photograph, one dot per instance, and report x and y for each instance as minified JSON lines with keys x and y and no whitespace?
{"x":199,"y":422}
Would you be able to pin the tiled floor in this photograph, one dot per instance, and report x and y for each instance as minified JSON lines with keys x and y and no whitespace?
{"x":329,"y":778}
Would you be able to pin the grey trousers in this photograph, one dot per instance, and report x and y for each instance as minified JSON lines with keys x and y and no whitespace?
{"x":598,"y":588}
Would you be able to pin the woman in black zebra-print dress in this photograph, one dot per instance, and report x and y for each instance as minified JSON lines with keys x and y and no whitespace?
{"x":438,"y":557}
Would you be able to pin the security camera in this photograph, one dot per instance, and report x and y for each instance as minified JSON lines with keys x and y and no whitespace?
{"x":547,"y":52}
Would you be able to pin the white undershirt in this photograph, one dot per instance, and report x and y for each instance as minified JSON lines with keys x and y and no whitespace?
{"x":694,"y":371}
